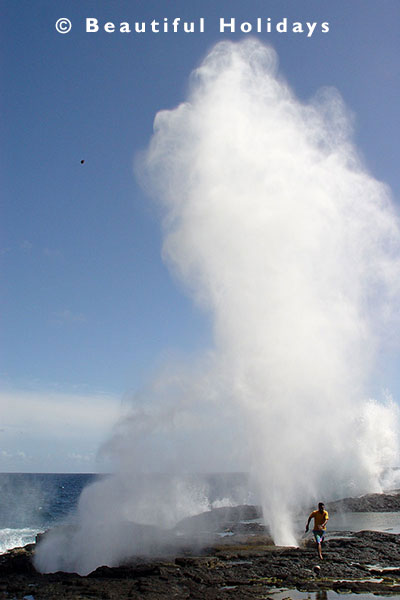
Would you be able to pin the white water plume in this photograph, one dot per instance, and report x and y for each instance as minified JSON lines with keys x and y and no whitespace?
{"x":277,"y":230}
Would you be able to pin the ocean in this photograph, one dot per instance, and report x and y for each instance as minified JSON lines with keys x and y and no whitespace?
{"x":30,"y":503}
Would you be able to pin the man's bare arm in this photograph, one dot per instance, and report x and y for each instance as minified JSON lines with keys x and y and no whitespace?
{"x":308,"y":522}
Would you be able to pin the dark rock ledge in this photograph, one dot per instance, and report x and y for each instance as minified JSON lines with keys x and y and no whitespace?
{"x":388,"y":502}
{"x":240,"y":566}
{"x":245,"y":568}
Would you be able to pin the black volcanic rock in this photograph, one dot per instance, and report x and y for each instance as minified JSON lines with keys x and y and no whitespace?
{"x":219,"y":519}
{"x":388,"y":502}
{"x":241,"y":569}
{"x":238,"y":566}
{"x":18,"y":560}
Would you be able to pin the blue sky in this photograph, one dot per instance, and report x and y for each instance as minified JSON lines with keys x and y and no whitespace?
{"x":88,"y":309}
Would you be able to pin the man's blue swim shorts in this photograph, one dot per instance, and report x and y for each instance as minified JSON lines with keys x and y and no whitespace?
{"x":319,"y":535}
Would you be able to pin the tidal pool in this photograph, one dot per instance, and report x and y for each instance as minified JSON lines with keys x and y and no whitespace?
{"x":323,"y":595}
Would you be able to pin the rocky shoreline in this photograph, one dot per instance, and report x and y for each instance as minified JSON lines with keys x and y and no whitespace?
{"x":243,"y":564}
{"x":389,"y":502}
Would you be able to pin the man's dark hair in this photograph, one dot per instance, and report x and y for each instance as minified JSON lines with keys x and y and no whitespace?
{"x":321,"y":505}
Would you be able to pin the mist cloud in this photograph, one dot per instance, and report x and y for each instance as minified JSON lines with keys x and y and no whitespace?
{"x":276,"y":229}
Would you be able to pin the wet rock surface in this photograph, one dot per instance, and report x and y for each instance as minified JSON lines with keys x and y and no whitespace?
{"x":245,"y":568}
{"x":243,"y":564}
{"x":389,"y":502}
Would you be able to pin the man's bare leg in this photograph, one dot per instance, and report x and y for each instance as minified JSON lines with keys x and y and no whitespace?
{"x":320,"y":551}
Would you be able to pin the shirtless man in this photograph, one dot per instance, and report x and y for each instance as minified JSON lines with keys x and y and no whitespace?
{"x":320,"y":517}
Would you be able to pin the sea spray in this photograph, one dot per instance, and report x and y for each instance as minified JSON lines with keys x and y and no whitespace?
{"x":279,"y":233}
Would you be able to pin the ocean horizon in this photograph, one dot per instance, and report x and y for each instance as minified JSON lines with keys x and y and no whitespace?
{"x":35,"y":502}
